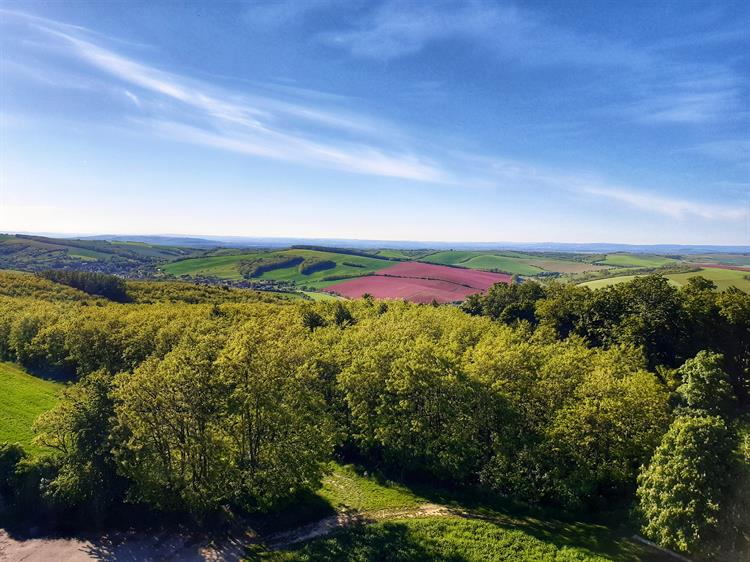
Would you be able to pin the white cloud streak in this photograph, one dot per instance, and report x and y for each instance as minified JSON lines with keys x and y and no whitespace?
{"x":260,"y":126}
{"x":670,"y":207}
{"x":256,"y":125}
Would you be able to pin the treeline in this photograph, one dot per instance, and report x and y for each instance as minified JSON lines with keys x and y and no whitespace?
{"x":194,"y":408}
{"x":258,"y":266}
{"x":670,"y":325}
{"x":336,"y":250}
{"x":100,"y":284}
{"x":313,"y":265}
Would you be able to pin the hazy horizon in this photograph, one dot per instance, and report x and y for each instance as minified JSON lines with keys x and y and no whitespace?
{"x":405,"y":121}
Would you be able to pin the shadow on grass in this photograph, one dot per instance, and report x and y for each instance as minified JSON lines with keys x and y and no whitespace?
{"x":601,"y":533}
{"x":387,"y":541}
{"x":306,"y":507}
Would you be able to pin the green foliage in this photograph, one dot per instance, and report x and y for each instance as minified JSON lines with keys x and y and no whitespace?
{"x":311,"y":265}
{"x":79,"y":428}
{"x":682,"y":489}
{"x":193,"y":398}
{"x":107,"y":286}
{"x":705,"y":386}
{"x":256,"y":267}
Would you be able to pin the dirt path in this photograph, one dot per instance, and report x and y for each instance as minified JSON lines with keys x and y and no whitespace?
{"x":333,"y":523}
{"x":130,"y":547}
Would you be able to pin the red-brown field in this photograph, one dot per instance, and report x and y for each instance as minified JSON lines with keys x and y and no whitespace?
{"x":468,"y":277}
{"x":420,"y":282}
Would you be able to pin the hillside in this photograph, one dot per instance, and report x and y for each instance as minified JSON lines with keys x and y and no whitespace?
{"x":22,"y":398}
{"x":37,"y":253}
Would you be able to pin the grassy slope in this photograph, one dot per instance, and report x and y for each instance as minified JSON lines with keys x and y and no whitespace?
{"x":635,"y":260}
{"x":510,"y":262}
{"x":347,"y":488}
{"x":500,"y":535}
{"x":723,"y":278}
{"x":22,"y":398}
{"x":564,"y":266}
{"x":225,"y":266}
{"x":730,"y":259}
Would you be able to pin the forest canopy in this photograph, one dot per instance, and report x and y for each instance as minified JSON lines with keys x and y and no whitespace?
{"x":554,"y":395}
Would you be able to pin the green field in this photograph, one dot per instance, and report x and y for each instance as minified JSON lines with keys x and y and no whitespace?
{"x":405,"y":526}
{"x":322,"y":296}
{"x":403,"y":254}
{"x":22,"y":398}
{"x":225,"y":267}
{"x":635,"y":260}
{"x":729,"y":259}
{"x":222,"y":266}
{"x":509,"y":263}
{"x":724,"y":278}
{"x":512,"y":262}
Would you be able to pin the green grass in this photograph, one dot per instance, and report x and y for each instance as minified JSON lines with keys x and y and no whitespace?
{"x":362,"y":265}
{"x":503,"y":263}
{"x":446,"y":539}
{"x":314,"y":295}
{"x":494,"y":532}
{"x":347,"y":488}
{"x":724,"y":278}
{"x":729,"y":259}
{"x":636,"y":260}
{"x":510,"y":263}
{"x":225,"y":267}
{"x":22,"y":398}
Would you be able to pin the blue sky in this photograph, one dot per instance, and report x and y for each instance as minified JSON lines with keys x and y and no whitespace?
{"x":477,"y":120}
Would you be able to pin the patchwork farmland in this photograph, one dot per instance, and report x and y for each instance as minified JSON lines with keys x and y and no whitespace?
{"x":420,"y":282}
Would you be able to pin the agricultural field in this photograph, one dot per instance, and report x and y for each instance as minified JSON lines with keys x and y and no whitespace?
{"x":420,"y":282}
{"x":223,"y":266}
{"x":727,"y":259}
{"x":724,"y":278}
{"x":22,"y":398}
{"x":636,"y":260}
{"x":402,"y":254}
{"x":517,"y":263}
{"x":227,"y":267}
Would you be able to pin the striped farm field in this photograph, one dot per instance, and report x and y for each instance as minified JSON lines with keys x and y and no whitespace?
{"x":420,"y":282}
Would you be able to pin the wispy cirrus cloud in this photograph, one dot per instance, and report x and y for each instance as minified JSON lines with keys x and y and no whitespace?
{"x":251,"y":124}
{"x":297,"y":129}
{"x":667,"y":206}
{"x":395,"y":29}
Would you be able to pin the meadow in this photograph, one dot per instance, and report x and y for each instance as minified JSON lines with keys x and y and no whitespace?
{"x":723,"y":278}
{"x":635,"y":260}
{"x":515,"y":263}
{"x":402,"y":523}
{"x":227,"y":267}
{"x":22,"y":398}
